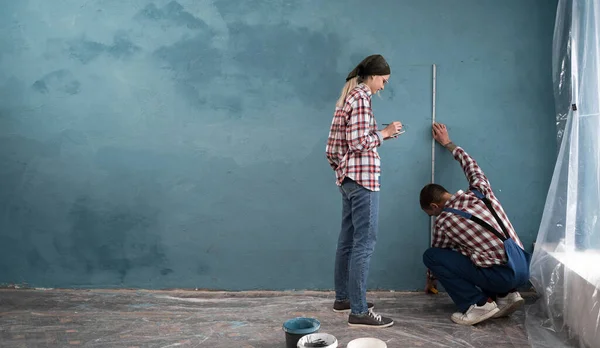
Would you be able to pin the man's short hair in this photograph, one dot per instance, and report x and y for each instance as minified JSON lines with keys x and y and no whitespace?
{"x":431,"y":193}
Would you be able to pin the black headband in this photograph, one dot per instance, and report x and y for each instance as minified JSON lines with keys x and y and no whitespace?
{"x":372,"y":65}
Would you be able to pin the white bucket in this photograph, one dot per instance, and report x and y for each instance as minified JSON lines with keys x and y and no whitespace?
{"x":324,"y":340}
{"x":366,"y":342}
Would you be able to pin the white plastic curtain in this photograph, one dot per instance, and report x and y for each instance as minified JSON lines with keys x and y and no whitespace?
{"x":565,"y":267}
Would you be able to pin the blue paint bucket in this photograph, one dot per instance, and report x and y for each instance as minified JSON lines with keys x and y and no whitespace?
{"x":297,"y":328}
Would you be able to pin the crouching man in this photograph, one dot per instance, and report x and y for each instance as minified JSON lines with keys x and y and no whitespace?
{"x":476,"y":254}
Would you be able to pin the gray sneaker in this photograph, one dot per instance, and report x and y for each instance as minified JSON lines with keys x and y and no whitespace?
{"x":369,"y":319}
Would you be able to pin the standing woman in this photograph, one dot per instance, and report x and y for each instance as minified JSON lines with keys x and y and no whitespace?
{"x":352,"y":153}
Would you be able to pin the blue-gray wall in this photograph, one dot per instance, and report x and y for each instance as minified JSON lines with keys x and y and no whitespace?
{"x":163,"y":144}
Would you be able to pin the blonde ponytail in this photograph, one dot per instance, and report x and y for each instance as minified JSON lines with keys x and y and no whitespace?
{"x":353,"y":82}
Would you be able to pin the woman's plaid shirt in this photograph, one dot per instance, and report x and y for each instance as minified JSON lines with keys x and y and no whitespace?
{"x":353,"y":140}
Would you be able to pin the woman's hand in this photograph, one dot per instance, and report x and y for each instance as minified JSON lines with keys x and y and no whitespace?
{"x":392,"y":130}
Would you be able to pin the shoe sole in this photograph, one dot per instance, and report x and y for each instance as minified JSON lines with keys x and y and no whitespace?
{"x":510,"y":309}
{"x":373,"y":326}
{"x":487,"y":316}
{"x":347,"y":310}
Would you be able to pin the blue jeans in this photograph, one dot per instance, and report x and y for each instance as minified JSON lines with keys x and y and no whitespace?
{"x":360,"y":220}
{"x":465,"y":282}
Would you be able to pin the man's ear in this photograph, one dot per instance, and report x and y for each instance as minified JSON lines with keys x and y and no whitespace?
{"x":433,"y":206}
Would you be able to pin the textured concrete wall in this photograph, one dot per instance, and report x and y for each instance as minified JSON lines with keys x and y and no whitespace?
{"x":181,"y":143}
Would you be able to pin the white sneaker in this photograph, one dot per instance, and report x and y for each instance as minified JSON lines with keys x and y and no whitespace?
{"x":475,"y":314}
{"x":508,"y":304}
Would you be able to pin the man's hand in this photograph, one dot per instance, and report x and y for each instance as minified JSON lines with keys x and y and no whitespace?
{"x":440,"y":133}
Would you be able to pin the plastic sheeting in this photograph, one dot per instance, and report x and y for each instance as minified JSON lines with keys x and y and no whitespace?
{"x":565,"y":267}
